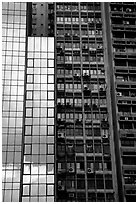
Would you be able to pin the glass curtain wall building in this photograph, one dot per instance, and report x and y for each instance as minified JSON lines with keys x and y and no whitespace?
{"x":69,"y":102}
{"x":13,"y":64}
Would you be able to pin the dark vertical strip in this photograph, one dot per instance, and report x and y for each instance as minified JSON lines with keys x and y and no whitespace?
{"x":24,"y":102}
{"x":46,"y":20}
{"x":29,"y":19}
{"x":83,"y":111}
{"x":113,"y":102}
{"x":55,"y":129}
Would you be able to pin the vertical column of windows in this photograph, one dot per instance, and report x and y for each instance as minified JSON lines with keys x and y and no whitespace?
{"x":95,"y":109}
{"x":38,"y":171}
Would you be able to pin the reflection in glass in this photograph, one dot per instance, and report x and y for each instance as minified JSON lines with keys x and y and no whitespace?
{"x":51,"y":79}
{"x":50,"y":63}
{"x":51,"y":95}
{"x":51,"y":44}
{"x":39,"y":144}
{"x":13,"y":75}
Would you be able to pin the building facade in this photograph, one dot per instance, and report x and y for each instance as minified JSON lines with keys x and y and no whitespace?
{"x":69,"y":102}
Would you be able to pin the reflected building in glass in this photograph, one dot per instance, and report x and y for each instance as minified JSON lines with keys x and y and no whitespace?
{"x":69,"y":102}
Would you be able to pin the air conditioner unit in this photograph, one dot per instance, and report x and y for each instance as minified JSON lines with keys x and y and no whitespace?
{"x":86,"y":104}
{"x":61,"y":188}
{"x":105,"y":125}
{"x":67,"y":34}
{"x":61,"y":120}
{"x":70,"y":150}
{"x":70,"y":146}
{"x":85,"y":74}
{"x":85,"y":87}
{"x":99,"y":46}
{"x":89,"y":145}
{"x":78,"y":121}
{"x":71,"y":170}
{"x":89,"y":170}
{"x":101,"y":89}
{"x":61,"y":135}
{"x":104,"y":120}
{"x":71,"y":195}
{"x":89,"y":148}
{"x":128,"y":10}
{"x":105,"y":137}
{"x":77,"y":75}
{"x":119,"y":94}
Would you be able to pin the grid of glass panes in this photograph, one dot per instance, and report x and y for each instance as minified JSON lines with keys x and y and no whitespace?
{"x":13,"y":67}
{"x":82,"y":115}
{"x":38,"y":171}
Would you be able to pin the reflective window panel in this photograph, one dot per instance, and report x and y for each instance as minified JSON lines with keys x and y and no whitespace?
{"x":38,"y":171}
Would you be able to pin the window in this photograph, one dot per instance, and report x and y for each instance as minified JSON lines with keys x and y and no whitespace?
{"x":67,"y":19}
{"x":108,"y":184}
{"x":79,"y":148}
{"x":80,"y":184}
{"x":69,"y":131}
{"x":59,"y":19}
{"x":97,"y":148}
{"x":129,"y":160}
{"x":78,"y":131}
{"x":97,"y":132}
{"x":99,"y":182}
{"x":80,"y":166}
{"x":91,"y":184}
{"x":106,"y":149}
{"x":29,"y":78}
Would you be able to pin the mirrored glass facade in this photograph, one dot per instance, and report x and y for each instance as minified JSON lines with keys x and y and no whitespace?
{"x":13,"y":70}
{"x":38,"y":161}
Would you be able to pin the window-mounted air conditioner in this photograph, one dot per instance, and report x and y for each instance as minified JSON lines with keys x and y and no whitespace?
{"x":105,"y":137}
{"x":86,"y":104}
{"x":78,"y":120}
{"x":61,"y":188}
{"x":85,"y":86}
{"x":76,"y":75}
{"x":89,"y":170}
{"x":71,"y":195}
{"x":89,"y":148}
{"x":61,"y":135}
{"x":128,"y":10}
{"x":70,"y":146}
{"x":71,"y":170}
{"x":119,"y":94}
{"x":104,"y":120}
